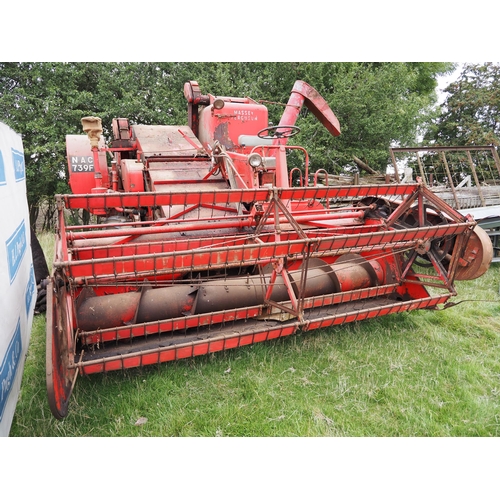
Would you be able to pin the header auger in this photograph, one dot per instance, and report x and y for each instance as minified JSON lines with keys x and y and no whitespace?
{"x":202,"y":243}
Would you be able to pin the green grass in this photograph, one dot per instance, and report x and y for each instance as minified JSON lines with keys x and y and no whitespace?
{"x":413,"y":374}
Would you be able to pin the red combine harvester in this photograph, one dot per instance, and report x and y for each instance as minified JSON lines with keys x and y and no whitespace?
{"x":203,"y":244}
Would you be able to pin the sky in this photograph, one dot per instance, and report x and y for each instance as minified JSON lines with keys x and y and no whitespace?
{"x":444,"y":81}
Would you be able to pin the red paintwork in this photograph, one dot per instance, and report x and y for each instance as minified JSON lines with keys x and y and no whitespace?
{"x":197,"y":248}
{"x":81,"y":164}
{"x":237,"y":117}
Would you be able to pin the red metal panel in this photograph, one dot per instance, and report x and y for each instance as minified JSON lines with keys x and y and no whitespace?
{"x":81,"y":164}
{"x":229,"y":196}
{"x":222,"y":258}
{"x":244,"y":117}
{"x":132,"y":176}
{"x":166,"y":140}
{"x":158,"y":276}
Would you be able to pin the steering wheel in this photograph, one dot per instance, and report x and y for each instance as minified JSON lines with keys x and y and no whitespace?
{"x":288,"y":131}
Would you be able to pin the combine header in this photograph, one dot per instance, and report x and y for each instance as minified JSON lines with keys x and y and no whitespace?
{"x":202,"y":242}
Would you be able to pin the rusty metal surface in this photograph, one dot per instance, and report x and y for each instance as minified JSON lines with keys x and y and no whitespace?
{"x":60,"y":372}
{"x":464,"y":176}
{"x":214,"y":251}
{"x":232,"y":335}
{"x":171,"y":140}
{"x":477,"y":256}
{"x":302,"y":93}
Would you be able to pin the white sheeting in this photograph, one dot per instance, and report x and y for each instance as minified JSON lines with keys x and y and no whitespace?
{"x":17,"y":278}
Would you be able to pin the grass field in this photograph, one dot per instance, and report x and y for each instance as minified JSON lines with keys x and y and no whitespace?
{"x":422,"y":373}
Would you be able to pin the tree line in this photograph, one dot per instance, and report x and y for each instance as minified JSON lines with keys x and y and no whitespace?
{"x":378,"y":105}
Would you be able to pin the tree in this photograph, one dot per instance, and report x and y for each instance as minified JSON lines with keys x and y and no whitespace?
{"x":377,"y":104}
{"x":470,"y":114}
{"x":46,"y":101}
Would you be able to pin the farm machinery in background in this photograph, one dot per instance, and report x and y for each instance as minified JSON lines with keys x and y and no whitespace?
{"x":206,"y":240}
{"x":466,"y":177}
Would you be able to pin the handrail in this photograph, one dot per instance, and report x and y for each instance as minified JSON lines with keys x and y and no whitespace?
{"x":316,"y":176}
{"x":291,"y":176}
